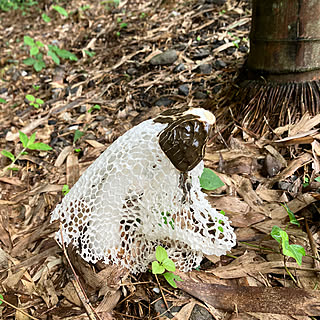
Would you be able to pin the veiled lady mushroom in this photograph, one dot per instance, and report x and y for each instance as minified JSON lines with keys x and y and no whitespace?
{"x":144,"y":191}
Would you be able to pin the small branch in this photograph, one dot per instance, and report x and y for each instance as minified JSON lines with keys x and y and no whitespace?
{"x":163,"y":296}
{"x":18,"y":309}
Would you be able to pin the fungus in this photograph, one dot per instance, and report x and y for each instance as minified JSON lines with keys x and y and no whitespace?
{"x":144,"y":191}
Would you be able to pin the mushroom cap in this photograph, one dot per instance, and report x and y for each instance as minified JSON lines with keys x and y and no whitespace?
{"x":129,"y":201}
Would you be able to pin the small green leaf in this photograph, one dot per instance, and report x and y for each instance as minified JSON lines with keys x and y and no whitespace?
{"x":3,"y":101}
{"x":123,"y":25}
{"x":1,"y":297}
{"x":295,"y":251}
{"x":77,"y":135}
{"x":28,"y":41}
{"x":39,"y":146}
{"x":168,"y":264}
{"x":317,"y":179}
{"x":275,"y":233}
{"x":24,"y":139}
{"x":157,"y":268}
{"x":95,"y":107}
{"x":65,"y":189}
{"x":209,"y":180}
{"x":39,"y":65}
{"x":45,"y":18}
{"x":171,"y":278}
{"x":291,"y":215}
{"x":39,"y":44}
{"x":85,"y":7}
{"x":34,"y":51}
{"x":306,"y":181}
{"x":161,"y":254}
{"x":34,"y":105}
{"x":54,"y":57}
{"x":39,"y":101}
{"x":32,"y":139}
{"x":30,"y":98}
{"x":8,"y":154}
{"x":13,"y":169}
{"x":65,"y":54}
{"x":89,"y":53}
{"x":29,"y":61}
{"x":77,"y":150}
{"x":61,"y":10}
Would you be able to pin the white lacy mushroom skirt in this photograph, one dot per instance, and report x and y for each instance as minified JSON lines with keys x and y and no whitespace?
{"x":129,"y":201}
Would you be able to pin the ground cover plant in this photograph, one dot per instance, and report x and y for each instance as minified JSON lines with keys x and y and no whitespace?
{"x":100,"y":68}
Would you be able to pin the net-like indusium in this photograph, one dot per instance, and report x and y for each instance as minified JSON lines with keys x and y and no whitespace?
{"x":130,"y":200}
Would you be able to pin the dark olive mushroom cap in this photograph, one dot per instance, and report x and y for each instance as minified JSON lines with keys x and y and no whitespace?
{"x":184,"y":139}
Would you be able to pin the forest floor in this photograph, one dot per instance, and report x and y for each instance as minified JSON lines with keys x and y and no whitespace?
{"x":109,"y":79}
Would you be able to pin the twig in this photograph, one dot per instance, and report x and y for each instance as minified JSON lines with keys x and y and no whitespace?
{"x":80,"y":291}
{"x":163,"y":296}
{"x":313,"y":248}
{"x":18,"y":309}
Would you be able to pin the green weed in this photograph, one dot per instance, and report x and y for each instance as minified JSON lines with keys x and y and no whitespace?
{"x":36,"y":55}
{"x":61,"y":10}
{"x":165,"y":266}
{"x":27,"y":143}
{"x":33,"y":101}
{"x":95,"y":107}
{"x":65,"y":189}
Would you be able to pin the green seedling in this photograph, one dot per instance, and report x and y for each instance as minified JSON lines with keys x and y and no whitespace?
{"x":291,"y":250}
{"x":35,"y":87}
{"x":55,"y":52}
{"x":34,"y":45}
{"x":33,"y":101}
{"x":77,"y":150}
{"x":236,"y":40}
{"x":61,"y":10}
{"x":36,"y":56}
{"x":7,"y":5}
{"x":293,"y":219}
{"x":65,"y":189}
{"x":3,"y":101}
{"x":27,"y":143}
{"x":95,"y":107}
{"x":306,"y":181}
{"x":77,"y":135}
{"x":89,"y":53}
{"x":142,"y":15}
{"x":45,"y":18}
{"x":122,"y":25}
{"x":198,"y":38}
{"x":317,"y":179}
{"x":85,"y":7}
{"x":165,"y":266}
{"x":209,"y":180}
